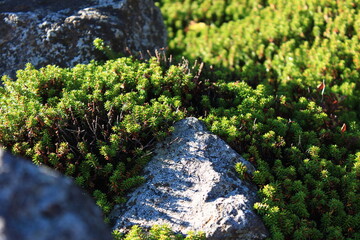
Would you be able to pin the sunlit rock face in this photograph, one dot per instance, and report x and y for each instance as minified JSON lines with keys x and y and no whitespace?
{"x":56,"y":32}
{"x":191,"y":185}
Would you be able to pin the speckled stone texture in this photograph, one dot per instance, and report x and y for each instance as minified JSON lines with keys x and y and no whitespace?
{"x":36,"y":203}
{"x":61,"y":32}
{"x":192,"y":185}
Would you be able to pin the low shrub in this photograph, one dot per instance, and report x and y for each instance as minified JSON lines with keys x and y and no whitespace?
{"x":298,"y":122}
{"x":279,"y":84}
{"x":96,"y":123}
{"x":99,"y":122}
{"x":156,"y":232}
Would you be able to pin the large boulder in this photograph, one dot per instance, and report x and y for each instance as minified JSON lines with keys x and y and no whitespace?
{"x":61,"y":32}
{"x":38,"y":203}
{"x":192,"y":185}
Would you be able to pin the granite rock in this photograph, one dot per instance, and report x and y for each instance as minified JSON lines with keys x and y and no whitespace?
{"x":61,"y":33}
{"x":192,"y":185}
{"x":38,"y":203}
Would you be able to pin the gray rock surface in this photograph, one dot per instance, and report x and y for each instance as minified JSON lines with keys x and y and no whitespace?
{"x":61,"y":32}
{"x":192,"y":185}
{"x":37,"y":203}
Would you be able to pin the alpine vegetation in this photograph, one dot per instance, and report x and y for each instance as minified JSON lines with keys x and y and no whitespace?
{"x":277,"y":80}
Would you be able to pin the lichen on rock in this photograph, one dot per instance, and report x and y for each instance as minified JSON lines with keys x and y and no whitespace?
{"x":62,"y":33}
{"x":192,"y":186}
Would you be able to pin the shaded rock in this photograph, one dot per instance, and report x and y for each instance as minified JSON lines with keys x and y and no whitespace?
{"x":56,"y":32}
{"x":38,"y":203}
{"x":192,"y":185}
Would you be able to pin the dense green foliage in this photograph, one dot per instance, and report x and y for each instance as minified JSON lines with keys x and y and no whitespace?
{"x":156,"y":232}
{"x":289,"y":45}
{"x":308,"y":166}
{"x":94,"y":122}
{"x":302,"y":133}
{"x":283,"y":90}
{"x":294,"y":41}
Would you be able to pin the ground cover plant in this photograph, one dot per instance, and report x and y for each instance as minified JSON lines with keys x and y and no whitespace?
{"x":94,"y":122}
{"x":157,"y":232}
{"x":302,"y":130}
{"x":278,"y":80}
